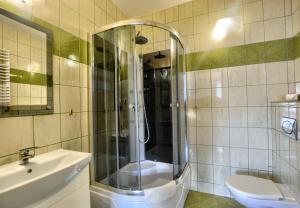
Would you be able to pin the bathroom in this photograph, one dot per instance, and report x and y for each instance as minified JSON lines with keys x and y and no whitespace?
{"x":135,"y":103}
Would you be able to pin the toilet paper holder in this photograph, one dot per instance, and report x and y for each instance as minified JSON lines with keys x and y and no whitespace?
{"x":289,"y":127}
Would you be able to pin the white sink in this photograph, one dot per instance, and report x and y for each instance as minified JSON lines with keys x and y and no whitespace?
{"x":44,"y":175}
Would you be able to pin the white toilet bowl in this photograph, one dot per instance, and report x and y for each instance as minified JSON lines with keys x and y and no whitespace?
{"x":253,"y":192}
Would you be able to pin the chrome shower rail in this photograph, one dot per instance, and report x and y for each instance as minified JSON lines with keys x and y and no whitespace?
{"x":140,"y":22}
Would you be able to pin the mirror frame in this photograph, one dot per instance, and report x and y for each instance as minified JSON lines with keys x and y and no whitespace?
{"x":29,"y":110}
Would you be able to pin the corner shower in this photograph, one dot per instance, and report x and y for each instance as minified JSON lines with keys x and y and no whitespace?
{"x":139,"y":125}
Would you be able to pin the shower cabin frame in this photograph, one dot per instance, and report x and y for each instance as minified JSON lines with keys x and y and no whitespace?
{"x":130,"y":22}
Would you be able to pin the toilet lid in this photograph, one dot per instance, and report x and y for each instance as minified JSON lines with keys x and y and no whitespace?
{"x":253,"y":187}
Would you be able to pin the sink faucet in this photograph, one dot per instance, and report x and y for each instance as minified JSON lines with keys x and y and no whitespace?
{"x":26,"y":154}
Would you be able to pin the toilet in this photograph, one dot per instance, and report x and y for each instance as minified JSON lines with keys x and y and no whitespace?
{"x":253,"y":192}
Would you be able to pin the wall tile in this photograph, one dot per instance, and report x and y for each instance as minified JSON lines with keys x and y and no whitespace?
{"x":205,"y":173}
{"x":238,"y":116}
{"x":239,"y":137}
{"x":204,"y":154}
{"x":219,"y":97}
{"x":74,"y":145}
{"x":254,"y":32}
{"x":204,"y":135}
{"x":221,"y":156}
{"x":237,"y":96}
{"x":19,"y":137}
{"x":69,"y":19}
{"x":258,"y":159}
{"x":69,"y":72}
{"x":239,"y":157}
{"x":220,"y":174}
{"x":276,"y":72}
{"x":201,"y":23}
{"x":257,"y":95}
{"x":203,"y":78}
{"x":256,"y":74}
{"x":237,"y":76}
{"x":185,"y":10}
{"x":258,"y":138}
{"x":203,"y":98}
{"x":220,"y":136}
{"x":200,"y":7}
{"x":46,"y":130}
{"x":193,"y":153}
{"x":257,"y":117}
{"x":70,"y":99}
{"x":204,"y":117}
{"x":172,"y":14}
{"x":220,"y":117}
{"x":253,"y":11}
{"x":205,"y":187}
{"x":273,"y":9}
{"x":70,"y":126}
{"x":274,"y":29}
{"x":216,"y":5}
{"x":219,"y":78}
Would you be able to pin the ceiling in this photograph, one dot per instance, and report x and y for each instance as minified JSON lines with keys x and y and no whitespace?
{"x":134,"y":8}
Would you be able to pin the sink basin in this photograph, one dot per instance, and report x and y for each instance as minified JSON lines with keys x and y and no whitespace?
{"x":45,"y":174}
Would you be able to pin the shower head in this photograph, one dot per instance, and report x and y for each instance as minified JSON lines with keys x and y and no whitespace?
{"x":140,"y":40}
{"x":159,"y":56}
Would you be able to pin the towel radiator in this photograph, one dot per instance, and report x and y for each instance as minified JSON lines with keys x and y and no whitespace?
{"x":4,"y":78}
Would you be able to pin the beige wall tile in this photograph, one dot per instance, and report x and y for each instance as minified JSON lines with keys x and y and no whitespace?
{"x":186,"y":27}
{"x":216,"y":5}
{"x":172,"y":14}
{"x":47,"y":10}
{"x":74,"y":145}
{"x":9,"y":159}
{"x":100,"y":16}
{"x":69,"y":19}
{"x":201,"y":24}
{"x":253,"y":11}
{"x":200,"y":7}
{"x":46,"y":130}
{"x":275,"y":29}
{"x":185,"y":10}
{"x":17,"y":133}
{"x":69,"y":99}
{"x":70,"y":126}
{"x":273,"y":8}
{"x":85,"y":144}
{"x":86,"y":9}
{"x":69,"y":72}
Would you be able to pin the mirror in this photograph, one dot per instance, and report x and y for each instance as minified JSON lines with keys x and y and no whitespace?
{"x":25,"y":67}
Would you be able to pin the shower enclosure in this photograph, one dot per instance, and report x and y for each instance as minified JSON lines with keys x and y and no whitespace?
{"x":139,"y":113}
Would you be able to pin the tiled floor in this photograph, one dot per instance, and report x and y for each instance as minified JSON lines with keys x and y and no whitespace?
{"x":203,"y":200}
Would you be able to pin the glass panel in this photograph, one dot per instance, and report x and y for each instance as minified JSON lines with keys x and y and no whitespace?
{"x":174,"y":87}
{"x":114,"y":115}
{"x":179,"y":107}
{"x":182,"y":99}
{"x":154,"y":99}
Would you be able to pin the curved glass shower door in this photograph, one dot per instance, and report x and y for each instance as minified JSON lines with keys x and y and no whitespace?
{"x":139,"y":107}
{"x":114,"y":114}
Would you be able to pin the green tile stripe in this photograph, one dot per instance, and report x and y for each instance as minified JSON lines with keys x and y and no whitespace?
{"x":263,"y":52}
{"x":65,"y":44}
{"x":24,"y":77}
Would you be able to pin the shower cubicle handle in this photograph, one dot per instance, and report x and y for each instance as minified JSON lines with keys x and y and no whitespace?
{"x":176,"y":105}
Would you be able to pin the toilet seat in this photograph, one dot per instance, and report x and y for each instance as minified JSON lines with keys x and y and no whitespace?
{"x":253,"y":187}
